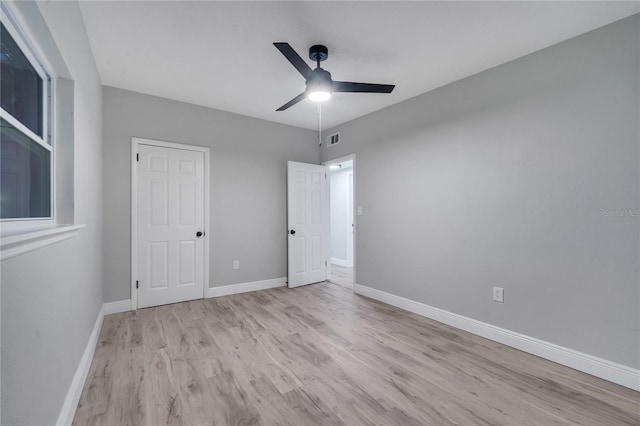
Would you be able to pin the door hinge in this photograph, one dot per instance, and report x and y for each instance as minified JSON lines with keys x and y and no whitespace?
{"x":325,"y":263}
{"x":137,"y":157}
{"x":136,"y":284}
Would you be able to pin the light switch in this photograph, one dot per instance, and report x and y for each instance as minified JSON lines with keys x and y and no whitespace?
{"x":498,"y":294}
{"x":359,"y":210}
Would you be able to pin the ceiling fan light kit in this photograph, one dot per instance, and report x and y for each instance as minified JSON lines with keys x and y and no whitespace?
{"x":319,"y":84}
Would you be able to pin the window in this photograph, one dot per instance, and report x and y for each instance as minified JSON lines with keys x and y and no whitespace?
{"x":26,"y":152}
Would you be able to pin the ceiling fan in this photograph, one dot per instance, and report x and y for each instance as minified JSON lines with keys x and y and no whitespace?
{"x":319,"y":82}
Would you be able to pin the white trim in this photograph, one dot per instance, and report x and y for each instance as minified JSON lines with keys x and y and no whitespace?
{"x":134,"y":224}
{"x":227,"y":290}
{"x":14,"y":245}
{"x":134,"y":208}
{"x":26,"y":41}
{"x":17,"y":19}
{"x":608,"y":370}
{"x":25,"y":130}
{"x":117,"y":307}
{"x":70,"y":403}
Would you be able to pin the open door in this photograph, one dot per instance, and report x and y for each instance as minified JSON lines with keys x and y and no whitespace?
{"x":307,"y":217}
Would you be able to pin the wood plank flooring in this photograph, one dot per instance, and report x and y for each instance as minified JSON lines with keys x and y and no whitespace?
{"x":342,"y":275}
{"x":321,"y":355}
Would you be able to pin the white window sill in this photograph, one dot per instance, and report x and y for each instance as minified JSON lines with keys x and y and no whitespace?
{"x":14,"y":244}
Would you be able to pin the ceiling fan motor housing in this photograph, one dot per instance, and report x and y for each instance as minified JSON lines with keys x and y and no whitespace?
{"x":319,"y":79}
{"x":318,"y":53}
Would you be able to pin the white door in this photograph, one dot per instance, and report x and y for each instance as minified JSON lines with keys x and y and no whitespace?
{"x":307,"y":217}
{"x":170,"y":225}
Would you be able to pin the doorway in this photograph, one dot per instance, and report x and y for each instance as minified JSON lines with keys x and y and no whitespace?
{"x":170,"y":217}
{"x":341,"y":174}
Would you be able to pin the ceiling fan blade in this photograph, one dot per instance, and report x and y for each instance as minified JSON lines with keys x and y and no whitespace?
{"x":293,"y":101}
{"x":347,"y":86}
{"x":293,"y":57}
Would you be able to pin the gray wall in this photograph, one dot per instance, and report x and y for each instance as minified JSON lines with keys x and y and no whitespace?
{"x":507,"y":178}
{"x":51,"y":297}
{"x":248,"y":183}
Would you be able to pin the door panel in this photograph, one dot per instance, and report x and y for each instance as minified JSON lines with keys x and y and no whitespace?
{"x":158,"y":264}
{"x":170,"y":211}
{"x":316,"y":253}
{"x":187,"y":204}
{"x":306,"y":205}
{"x":186,"y":264}
{"x":158,"y":203}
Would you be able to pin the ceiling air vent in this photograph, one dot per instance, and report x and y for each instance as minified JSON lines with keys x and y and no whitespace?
{"x":333,"y":139}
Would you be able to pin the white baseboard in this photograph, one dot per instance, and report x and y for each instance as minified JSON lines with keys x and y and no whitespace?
{"x":125,"y":305}
{"x":245,"y":287}
{"x":341,"y":262}
{"x":70,"y":404}
{"x":608,"y":370}
{"x":117,"y":307}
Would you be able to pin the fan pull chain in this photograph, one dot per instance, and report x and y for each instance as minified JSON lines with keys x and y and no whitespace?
{"x":319,"y":124}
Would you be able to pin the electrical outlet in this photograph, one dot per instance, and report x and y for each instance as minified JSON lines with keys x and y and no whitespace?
{"x":236,"y":264}
{"x":498,"y":294}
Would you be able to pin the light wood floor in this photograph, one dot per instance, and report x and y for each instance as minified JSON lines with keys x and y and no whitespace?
{"x":342,"y":275}
{"x":321,"y":355}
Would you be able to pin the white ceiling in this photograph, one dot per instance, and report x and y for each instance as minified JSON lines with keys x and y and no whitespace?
{"x":220,"y":54}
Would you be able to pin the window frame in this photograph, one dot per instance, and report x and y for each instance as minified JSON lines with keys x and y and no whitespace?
{"x":27,"y":46}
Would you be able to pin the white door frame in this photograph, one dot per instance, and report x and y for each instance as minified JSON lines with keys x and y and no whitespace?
{"x":355,"y":220}
{"x":135,"y":142}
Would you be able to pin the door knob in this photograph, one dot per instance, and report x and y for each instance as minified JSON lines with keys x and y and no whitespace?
{"x":199,"y":234}
{"x":292,"y":232}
